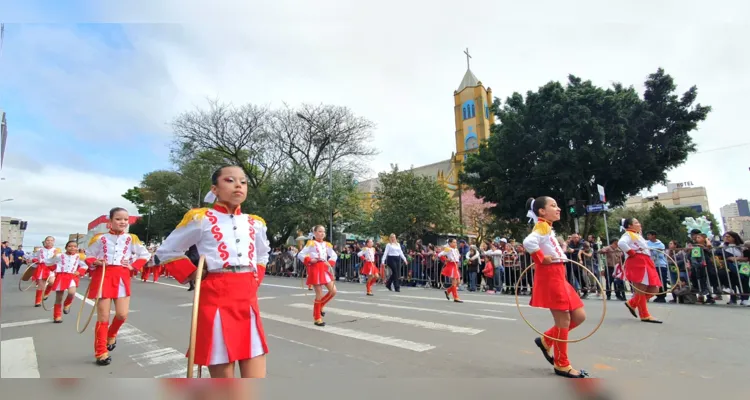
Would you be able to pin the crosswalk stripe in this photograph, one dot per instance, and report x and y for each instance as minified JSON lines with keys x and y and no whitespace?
{"x":386,"y":318}
{"x":446,"y":312}
{"x":18,"y":358}
{"x":159,"y":356}
{"x":351,"y":333}
{"x":493,"y":303}
{"x":25,"y":323}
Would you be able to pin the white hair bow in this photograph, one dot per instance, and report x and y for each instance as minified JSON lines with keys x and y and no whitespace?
{"x":531,"y":214}
{"x":622,"y":225}
{"x":210,"y":197}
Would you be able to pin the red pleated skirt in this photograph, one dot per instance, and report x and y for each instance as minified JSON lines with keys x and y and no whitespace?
{"x":63,"y":281}
{"x":369,"y":268}
{"x":116,"y":282}
{"x":319,"y":274}
{"x":42,"y":272}
{"x":552,"y":290}
{"x":451,"y":270}
{"x":234,"y":296}
{"x":640,"y":268}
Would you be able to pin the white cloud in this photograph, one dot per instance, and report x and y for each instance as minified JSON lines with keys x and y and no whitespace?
{"x":394,"y":62}
{"x":59,"y":201}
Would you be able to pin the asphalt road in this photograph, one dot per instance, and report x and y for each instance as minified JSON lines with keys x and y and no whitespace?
{"x":413,"y":334}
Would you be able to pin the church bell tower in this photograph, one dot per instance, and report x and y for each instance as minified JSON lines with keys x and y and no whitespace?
{"x":472,"y":114}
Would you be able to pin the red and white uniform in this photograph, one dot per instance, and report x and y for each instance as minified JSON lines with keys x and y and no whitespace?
{"x":318,"y":273}
{"x":639,"y":267}
{"x":67,"y":265}
{"x":551,"y":287}
{"x":116,"y":250}
{"x":453,"y":260}
{"x":44,"y":266}
{"x":367,"y":255}
{"x":236,"y":251}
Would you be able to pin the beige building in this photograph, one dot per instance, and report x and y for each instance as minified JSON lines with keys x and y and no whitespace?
{"x":741,"y":225}
{"x":678,"y":195}
{"x":12,"y":230}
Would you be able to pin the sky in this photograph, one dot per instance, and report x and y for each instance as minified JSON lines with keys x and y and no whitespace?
{"x":90,"y":87}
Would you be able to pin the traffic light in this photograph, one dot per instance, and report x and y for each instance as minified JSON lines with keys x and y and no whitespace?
{"x":572,"y":209}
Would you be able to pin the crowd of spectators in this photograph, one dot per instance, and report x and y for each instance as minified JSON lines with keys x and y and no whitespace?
{"x":697,"y":271}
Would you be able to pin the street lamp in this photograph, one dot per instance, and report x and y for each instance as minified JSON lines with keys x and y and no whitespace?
{"x":330,"y":176}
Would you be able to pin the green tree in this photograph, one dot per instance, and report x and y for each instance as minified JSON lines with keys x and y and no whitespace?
{"x":410,"y":205}
{"x":562,"y":140}
{"x":162,"y":201}
{"x":664,"y":222}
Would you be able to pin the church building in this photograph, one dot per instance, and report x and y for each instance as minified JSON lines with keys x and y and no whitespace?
{"x":473,"y":120}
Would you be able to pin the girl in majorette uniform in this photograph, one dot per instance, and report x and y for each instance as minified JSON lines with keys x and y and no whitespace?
{"x":452,"y":260}
{"x":367,"y":254}
{"x":318,"y":255}
{"x":236,"y":251}
{"x":44,"y":269}
{"x":69,"y":268}
{"x":123,"y":253}
{"x":151,"y":268}
{"x":551,"y":287}
{"x":639,"y":269}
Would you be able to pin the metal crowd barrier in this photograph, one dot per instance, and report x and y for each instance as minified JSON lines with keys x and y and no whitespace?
{"x":707,"y":274}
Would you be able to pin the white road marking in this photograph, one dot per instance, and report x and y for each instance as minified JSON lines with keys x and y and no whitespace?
{"x":18,"y":359}
{"x":493,"y":303}
{"x":283,"y":286}
{"x":176,"y":286}
{"x":492,"y":311}
{"x":351,"y":333}
{"x":386,"y":318}
{"x":446,"y":312}
{"x":159,"y":356}
{"x":300,"y":343}
{"x":25,"y":323}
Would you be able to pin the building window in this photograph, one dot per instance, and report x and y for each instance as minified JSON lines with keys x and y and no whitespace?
{"x":487,"y":111}
{"x":469,"y":109}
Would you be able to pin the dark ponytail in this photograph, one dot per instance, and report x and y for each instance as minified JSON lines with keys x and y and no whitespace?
{"x":215,"y":176}
{"x":539,"y":203}
{"x":626,"y":223}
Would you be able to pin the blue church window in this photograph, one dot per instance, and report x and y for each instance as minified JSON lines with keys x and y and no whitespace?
{"x":469,"y":109}
{"x":487,"y":111}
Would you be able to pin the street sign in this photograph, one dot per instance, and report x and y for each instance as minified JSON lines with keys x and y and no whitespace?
{"x":595,"y":208}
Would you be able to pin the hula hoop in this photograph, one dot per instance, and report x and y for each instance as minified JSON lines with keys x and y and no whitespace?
{"x":96,"y":301}
{"x":46,"y":284}
{"x":601,"y":321}
{"x":32,"y":282}
{"x":632,"y":284}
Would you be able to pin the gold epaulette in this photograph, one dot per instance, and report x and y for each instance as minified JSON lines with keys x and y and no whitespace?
{"x":543,"y":228}
{"x":135,"y":239}
{"x":95,"y":238}
{"x":310,"y":243}
{"x":258,"y":218}
{"x":196,"y":214}
{"x":634,"y":236}
{"x":330,"y":246}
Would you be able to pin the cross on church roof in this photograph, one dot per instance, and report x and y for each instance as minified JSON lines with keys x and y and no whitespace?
{"x":468,"y":56}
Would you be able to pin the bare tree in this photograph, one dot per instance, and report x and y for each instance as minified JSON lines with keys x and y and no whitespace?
{"x":238,"y":134}
{"x":319,"y":137}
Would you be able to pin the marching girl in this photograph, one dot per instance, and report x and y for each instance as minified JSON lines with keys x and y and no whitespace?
{"x":450,"y":270}
{"x":639,"y":269}
{"x":123,"y":253}
{"x":69,"y":268}
{"x":44,"y":269}
{"x":236,"y":251}
{"x":318,"y":256}
{"x":551,"y":287}
{"x":367,"y":254}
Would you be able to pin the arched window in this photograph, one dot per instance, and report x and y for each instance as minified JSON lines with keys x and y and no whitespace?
{"x":469,"y":109}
